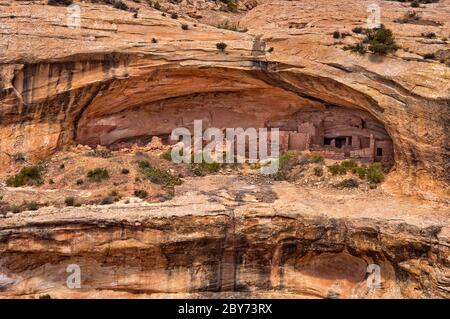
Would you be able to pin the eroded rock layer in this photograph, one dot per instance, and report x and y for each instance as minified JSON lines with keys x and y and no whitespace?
{"x":234,"y":239}
{"x":59,"y":85}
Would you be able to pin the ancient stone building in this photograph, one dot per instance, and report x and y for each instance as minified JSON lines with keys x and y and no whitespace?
{"x":336,"y":133}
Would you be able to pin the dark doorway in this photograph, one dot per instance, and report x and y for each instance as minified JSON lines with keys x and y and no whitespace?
{"x":379,"y":151}
{"x":340,"y":141}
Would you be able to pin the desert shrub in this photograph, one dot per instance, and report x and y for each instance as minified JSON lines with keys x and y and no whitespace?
{"x":291,"y":158}
{"x":318,"y":171}
{"x":174,"y":15}
{"x":429,"y":56}
{"x":317,"y":159}
{"x":69,"y":201}
{"x":221,"y":46}
{"x":143,"y":164}
{"x":115,"y":195}
{"x":79,"y":182}
{"x":337,"y":169}
{"x":154,"y":40}
{"x":51,"y":181}
{"x":358,"y":30}
{"x":336,"y":34}
{"x":409,"y":17}
{"x":204,"y":168}
{"x":286,"y":157}
{"x":62,"y":166}
{"x":140,"y":193}
{"x":60,"y":2}
{"x":100,"y":152}
{"x":415,"y":4}
{"x":375,"y":173}
{"x":118,"y":4}
{"x":270,"y":50}
{"x":429,"y":35}
{"x":348,"y":164}
{"x":227,"y":25}
{"x":184,"y":26}
{"x":361,"y":171}
{"x":347,"y":183}
{"x":125,"y":171}
{"x":157,"y":5}
{"x":31,"y":205}
{"x":46,"y":296}
{"x":232,"y":5}
{"x":98,"y":174}
{"x":357,"y":48}
{"x":158,"y":176}
{"x":108,"y":200}
{"x":381,"y":40}
{"x":15,"y":209}
{"x":166,"y":155}
{"x":30,"y":176}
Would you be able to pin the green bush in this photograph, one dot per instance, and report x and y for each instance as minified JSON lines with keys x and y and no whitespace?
{"x":32,"y":205}
{"x":232,"y":5}
{"x":167,"y":155}
{"x":203,"y":168}
{"x":158,"y":176}
{"x":30,"y":176}
{"x":140,"y":193}
{"x":375,"y":173}
{"x":361,"y":171}
{"x":348,"y":164}
{"x":286,"y":157}
{"x":15,"y":209}
{"x":143,"y":164}
{"x":336,"y":34}
{"x":318,"y":171}
{"x":98,"y":174}
{"x":356,"y":48}
{"x":381,"y":40}
{"x":108,"y":200}
{"x":358,"y":30}
{"x":227,"y":25}
{"x":317,"y":159}
{"x":69,"y":201}
{"x":337,"y":169}
{"x":221,"y":46}
{"x":118,"y":4}
{"x":100,"y":152}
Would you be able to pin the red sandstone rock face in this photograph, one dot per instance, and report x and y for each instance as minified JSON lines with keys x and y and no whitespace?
{"x":109,"y":81}
{"x":222,"y":236}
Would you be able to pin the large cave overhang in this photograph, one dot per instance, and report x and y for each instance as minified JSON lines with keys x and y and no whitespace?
{"x":104,"y":98}
{"x":163,"y":99}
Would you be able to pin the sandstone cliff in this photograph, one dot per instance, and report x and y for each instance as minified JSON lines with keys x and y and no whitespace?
{"x":58,"y":84}
{"x":228,"y":237}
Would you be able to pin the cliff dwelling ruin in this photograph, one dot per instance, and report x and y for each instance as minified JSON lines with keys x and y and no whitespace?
{"x":333,"y":132}
{"x":337,"y":133}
